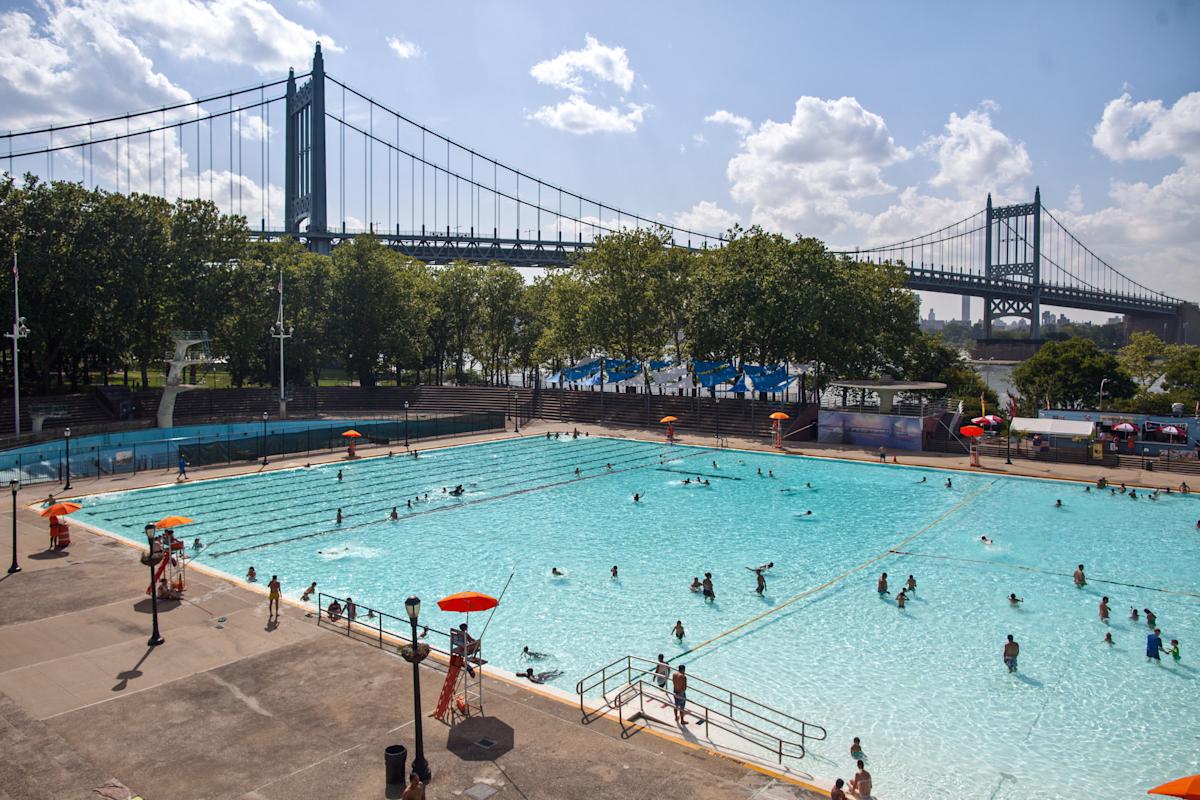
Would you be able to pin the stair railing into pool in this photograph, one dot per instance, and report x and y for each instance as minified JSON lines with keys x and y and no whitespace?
{"x":374,"y":626}
{"x":632,"y":678}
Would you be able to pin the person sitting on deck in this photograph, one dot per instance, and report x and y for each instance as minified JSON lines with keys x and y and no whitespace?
{"x":334,"y":611}
{"x":164,"y":591}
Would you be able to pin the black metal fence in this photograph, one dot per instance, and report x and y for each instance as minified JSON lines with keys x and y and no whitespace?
{"x":48,"y":463}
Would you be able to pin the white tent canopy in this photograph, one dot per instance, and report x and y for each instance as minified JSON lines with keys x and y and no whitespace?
{"x":1053,"y":427}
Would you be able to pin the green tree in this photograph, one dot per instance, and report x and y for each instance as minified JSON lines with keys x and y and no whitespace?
{"x":1068,"y":374}
{"x":456,"y":309}
{"x":363,"y":301}
{"x":564,"y":339}
{"x":500,"y":289}
{"x":930,"y":358}
{"x":1144,"y":359}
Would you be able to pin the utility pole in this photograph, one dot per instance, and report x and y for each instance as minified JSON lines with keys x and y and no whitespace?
{"x":278,"y":331}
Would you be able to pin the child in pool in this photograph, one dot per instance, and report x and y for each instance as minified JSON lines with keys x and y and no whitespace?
{"x":856,"y":750}
{"x":1174,"y":651}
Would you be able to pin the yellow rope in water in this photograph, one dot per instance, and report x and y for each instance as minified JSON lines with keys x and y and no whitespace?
{"x":842,"y":576}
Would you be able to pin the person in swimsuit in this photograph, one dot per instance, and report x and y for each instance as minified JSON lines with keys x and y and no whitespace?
{"x":911,"y":585}
{"x":1108,"y":638}
{"x":309,"y":592}
{"x":1058,"y":503}
{"x":339,"y":517}
{"x":334,"y":611}
{"x":949,"y":484}
{"x":251,"y":575}
{"x":707,"y":587}
{"x":856,"y":750}
{"x":637,"y":498}
{"x":837,"y":793}
{"x":533,"y":654}
{"x":985,"y":540}
{"x":1013,"y":600}
{"x":1154,"y":644}
{"x":662,"y":671}
{"x":861,"y":784}
{"x":1104,"y":610}
{"x":679,"y":685}
{"x":696,"y":585}
{"x":881,"y":585}
{"x":1174,"y":651}
{"x":613,"y":571}
{"x":901,"y":599}
{"x":273,"y":593}
{"x":1011,"y":651}
{"x":351,"y":609}
{"x":1079,"y":578}
{"x":678,"y":630}
{"x":556,"y":572}
{"x":339,"y":476}
{"x":760,"y":582}
{"x":395,"y":513}
{"x":415,"y":789}
{"x":1151,"y":617}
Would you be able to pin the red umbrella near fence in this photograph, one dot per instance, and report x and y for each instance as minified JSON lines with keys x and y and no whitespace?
{"x":971,"y":430}
{"x":353,"y":436}
{"x":988,"y":419}
{"x":1124,"y":427}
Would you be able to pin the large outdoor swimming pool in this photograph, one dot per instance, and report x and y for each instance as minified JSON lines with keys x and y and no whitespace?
{"x":939,"y":715}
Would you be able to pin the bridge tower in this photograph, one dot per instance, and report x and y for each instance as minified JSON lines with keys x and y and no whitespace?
{"x":1013,"y":252}
{"x":304,"y":173}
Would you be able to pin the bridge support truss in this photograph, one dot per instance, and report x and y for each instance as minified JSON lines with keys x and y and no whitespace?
{"x":304,"y":172}
{"x":1012,"y":252}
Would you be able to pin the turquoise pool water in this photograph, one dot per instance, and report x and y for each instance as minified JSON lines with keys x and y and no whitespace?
{"x":925,"y":688}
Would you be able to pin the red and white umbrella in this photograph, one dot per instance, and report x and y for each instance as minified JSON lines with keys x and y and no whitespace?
{"x":988,"y":419}
{"x":1171,"y":430}
{"x":1124,"y":427}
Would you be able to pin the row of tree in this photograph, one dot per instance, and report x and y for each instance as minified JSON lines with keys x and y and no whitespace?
{"x":105,"y":278}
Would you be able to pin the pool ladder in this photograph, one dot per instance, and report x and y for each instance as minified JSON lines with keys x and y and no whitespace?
{"x":631,"y":680}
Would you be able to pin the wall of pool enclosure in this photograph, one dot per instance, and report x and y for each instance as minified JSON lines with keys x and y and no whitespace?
{"x":127,"y":452}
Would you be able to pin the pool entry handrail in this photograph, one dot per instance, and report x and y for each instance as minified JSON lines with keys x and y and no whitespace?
{"x":632,"y":678}
{"x":374,"y":626}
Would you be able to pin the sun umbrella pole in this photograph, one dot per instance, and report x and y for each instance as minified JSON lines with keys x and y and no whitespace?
{"x":489,"y":619}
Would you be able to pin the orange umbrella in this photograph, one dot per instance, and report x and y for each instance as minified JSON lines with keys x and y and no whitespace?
{"x":971,"y":430}
{"x":1187,"y":788}
{"x":353,"y":434}
{"x":468,"y":602}
{"x":59,"y":509}
{"x":669,"y":418}
{"x":173,"y":522}
{"x":779,"y":415}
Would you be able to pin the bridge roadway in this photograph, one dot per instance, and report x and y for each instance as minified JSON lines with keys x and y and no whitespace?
{"x":441,"y":248}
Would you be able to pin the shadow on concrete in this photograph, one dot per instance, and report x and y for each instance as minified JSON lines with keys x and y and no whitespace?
{"x":146,"y":606}
{"x":48,"y":555}
{"x":272,"y":624}
{"x":123,"y":678}
{"x":480,"y":739}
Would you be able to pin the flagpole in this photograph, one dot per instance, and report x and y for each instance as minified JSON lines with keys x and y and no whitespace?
{"x":280,"y":333}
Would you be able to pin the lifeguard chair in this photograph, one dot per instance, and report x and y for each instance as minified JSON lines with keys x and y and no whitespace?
{"x":462,"y":691}
{"x":173,"y":563}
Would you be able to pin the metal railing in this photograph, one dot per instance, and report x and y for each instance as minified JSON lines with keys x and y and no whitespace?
{"x":374,"y":626}
{"x":48,"y":463}
{"x":633,"y":677}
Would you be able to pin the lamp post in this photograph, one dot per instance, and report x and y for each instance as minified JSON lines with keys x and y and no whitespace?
{"x":717,"y":406}
{"x":155,"y":639}
{"x":278,"y":332}
{"x":67,"y":440}
{"x":1008,"y":443}
{"x":419,"y":765}
{"x":19,"y":332}
{"x":14,"y":567}
{"x":264,"y":439}
{"x":405,"y":424}
{"x":516,"y":414}
{"x":1102,"y":382}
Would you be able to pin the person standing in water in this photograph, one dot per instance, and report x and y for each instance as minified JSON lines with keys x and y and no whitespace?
{"x":707,"y":587}
{"x":760,"y":582}
{"x":1079,"y":578}
{"x":1104,"y":610}
{"x":882,"y":585}
{"x":1154,"y":644}
{"x":911,"y":585}
{"x":1011,"y":651}
{"x":678,"y":630}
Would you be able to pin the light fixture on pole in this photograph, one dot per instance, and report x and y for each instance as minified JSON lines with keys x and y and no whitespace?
{"x":415,"y":654}
{"x":67,"y":444}
{"x":264,"y":438}
{"x":153,"y":558}
{"x":15,"y":485}
{"x":1102,"y":382}
{"x":405,"y":424}
{"x":279,"y":332}
{"x":19,"y":332}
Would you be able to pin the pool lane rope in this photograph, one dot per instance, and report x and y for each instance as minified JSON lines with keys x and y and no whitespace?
{"x":1023,"y":568}
{"x":838,"y":578}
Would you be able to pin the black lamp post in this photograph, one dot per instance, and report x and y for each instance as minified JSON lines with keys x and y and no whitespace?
{"x":67,"y":439}
{"x":418,"y":652}
{"x":264,"y":438}
{"x":405,"y":424}
{"x":717,"y":406}
{"x":516,"y":414}
{"x":14,"y":567}
{"x":1008,"y":443}
{"x":155,"y":639}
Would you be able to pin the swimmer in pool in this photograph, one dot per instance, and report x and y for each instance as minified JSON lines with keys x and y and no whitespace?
{"x":1151,"y":617}
{"x":395,"y":513}
{"x":533,"y":655}
{"x":1087,"y":490}
{"x":577,"y":470}
{"x":1133,"y":614}
{"x":339,"y":475}
{"x":714,"y":465}
{"x":707,"y":588}
{"x":678,"y":630}
{"x":686,"y":481}
{"x":637,"y":498}
{"x":1014,"y":601}
{"x":1174,"y":651}
{"x":1104,"y":610}
{"x":760,"y":582}
{"x":696,"y":585}
{"x":309,"y":592}
{"x":985,"y":540}
{"x":1058,"y":503}
{"x":856,"y":750}
{"x":196,"y":545}
{"x":911,"y":585}
{"x":556,"y":572}
{"x":608,"y":466}
{"x":760,"y":472}
{"x":613,"y":571}
{"x":770,"y":473}
{"x":410,"y":504}
{"x":949,"y":484}
{"x":881,"y":585}
{"x":901,"y":599}
{"x":339,"y":517}
{"x":923,"y":479}
{"x":808,"y":513}
{"x":1079,"y":578}
{"x":1108,"y":640}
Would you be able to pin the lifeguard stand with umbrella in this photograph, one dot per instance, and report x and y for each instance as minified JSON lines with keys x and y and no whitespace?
{"x":670,"y":421}
{"x":776,"y":418}
{"x":353,"y":436}
{"x":462,"y":692}
{"x":973,"y":432}
{"x":1186,"y":788}
{"x":60,"y":532}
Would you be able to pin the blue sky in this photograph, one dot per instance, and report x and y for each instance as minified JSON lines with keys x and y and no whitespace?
{"x":859,"y":123}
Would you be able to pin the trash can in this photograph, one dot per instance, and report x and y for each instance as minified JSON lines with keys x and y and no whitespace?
{"x":394,"y":757}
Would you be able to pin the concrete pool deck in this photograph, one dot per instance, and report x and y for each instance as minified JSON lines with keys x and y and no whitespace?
{"x":253,"y":710}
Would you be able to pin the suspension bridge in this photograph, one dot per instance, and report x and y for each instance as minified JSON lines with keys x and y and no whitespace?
{"x":437,"y":200}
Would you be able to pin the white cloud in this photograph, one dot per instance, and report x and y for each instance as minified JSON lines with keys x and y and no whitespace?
{"x":723,"y":117}
{"x":800,"y":175}
{"x":1148,"y":129}
{"x":403,"y":48}
{"x":579,"y":116}
{"x":1075,"y":200}
{"x":705,"y":217}
{"x":699,"y":140}
{"x":974,"y":158}
{"x":574,"y":69}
